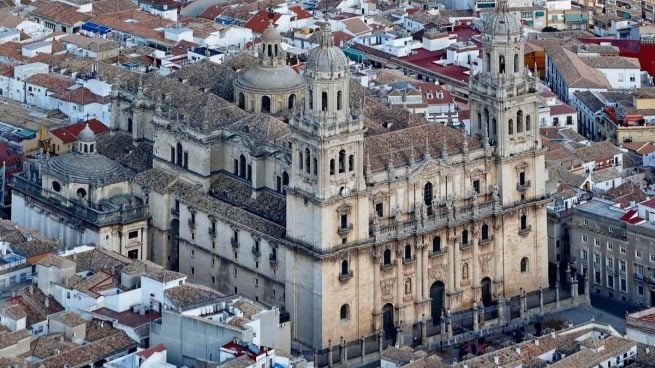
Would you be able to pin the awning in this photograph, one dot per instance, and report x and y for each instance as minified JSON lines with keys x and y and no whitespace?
{"x":95,"y":28}
{"x":539,"y":13}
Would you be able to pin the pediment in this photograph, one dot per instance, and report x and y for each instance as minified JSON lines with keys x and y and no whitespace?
{"x":428,"y":170}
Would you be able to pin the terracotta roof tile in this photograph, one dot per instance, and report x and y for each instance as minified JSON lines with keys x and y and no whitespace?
{"x":55,"y":83}
{"x":59,"y":12}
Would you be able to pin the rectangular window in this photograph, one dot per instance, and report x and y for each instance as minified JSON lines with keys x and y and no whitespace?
{"x":522,"y":178}
{"x":344,"y":221}
{"x":133,"y":234}
{"x":610,"y":281}
{"x":622,"y":266}
{"x":637,"y":253}
{"x":379,"y":209}
{"x":586,"y":222}
{"x":652,"y":257}
{"x":640,"y":290}
{"x":610,"y":229}
{"x":596,"y":260}
{"x":584,"y":238}
{"x":583,"y":255}
{"x":622,"y":249}
{"x":476,"y":186}
{"x":610,"y":246}
{"x":639,"y":270}
{"x":597,"y":277}
{"x":623,"y":285}
{"x":235,"y":170}
{"x":610,"y":263}
{"x":596,"y":242}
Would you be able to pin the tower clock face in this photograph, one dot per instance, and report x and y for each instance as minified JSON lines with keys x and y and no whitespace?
{"x":345,"y":192}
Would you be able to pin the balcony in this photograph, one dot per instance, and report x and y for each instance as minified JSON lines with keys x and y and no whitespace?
{"x":522,"y":187}
{"x":346,"y":276}
{"x":639,"y":276}
{"x":610,"y":269}
{"x":256,"y":252}
{"x":441,"y":252}
{"x":466,"y":245}
{"x":597,"y":265}
{"x":488,"y":240}
{"x":525,"y":230}
{"x":345,"y":230}
{"x":388,"y":266}
{"x":412,"y":259}
{"x":622,"y":273}
{"x":235,"y":243}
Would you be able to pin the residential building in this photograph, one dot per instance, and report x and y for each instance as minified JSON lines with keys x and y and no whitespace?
{"x":63,"y":140}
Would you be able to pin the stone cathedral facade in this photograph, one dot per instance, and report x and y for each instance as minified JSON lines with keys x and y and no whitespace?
{"x":351,"y":226}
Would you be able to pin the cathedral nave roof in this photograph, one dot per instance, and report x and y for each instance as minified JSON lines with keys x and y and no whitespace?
{"x":269,"y":205}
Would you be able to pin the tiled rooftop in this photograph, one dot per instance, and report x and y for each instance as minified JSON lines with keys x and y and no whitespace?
{"x":189,"y":296}
{"x":165,"y":276}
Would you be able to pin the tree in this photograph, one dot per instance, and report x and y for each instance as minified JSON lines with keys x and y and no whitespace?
{"x":550,"y":29}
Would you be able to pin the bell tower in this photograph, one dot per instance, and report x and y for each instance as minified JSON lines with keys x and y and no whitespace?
{"x":503,"y":96}
{"x":325,"y":203}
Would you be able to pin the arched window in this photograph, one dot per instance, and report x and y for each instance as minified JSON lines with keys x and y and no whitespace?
{"x":408,"y":285}
{"x":408,"y":252}
{"x":342,"y":161}
{"x":427,"y":194}
{"x":465,"y":237}
{"x":465,"y":271}
{"x":308,"y":159}
{"x":524,"y":222}
{"x":344,"y":312}
{"x":493,"y":126}
{"x":291,"y":102}
{"x":485,"y":232}
{"x":339,"y":94}
{"x":81,"y":193}
{"x":242,"y":166}
{"x":516,"y":63}
{"x":242,"y":100}
{"x":386,"y":257}
{"x":344,"y":267}
{"x":436,"y":244}
{"x":179,"y":152}
{"x":510,"y":127}
{"x":324,"y":101}
{"x":270,"y":50}
{"x":519,"y":121}
{"x":501,"y":64}
{"x":525,"y":264}
{"x":479,"y":121}
{"x":351,"y":163}
{"x":332,"y":167}
{"x":86,"y":148}
{"x":91,"y":148}
{"x":315,"y":166}
{"x":310,"y":98}
{"x":266,"y":104}
{"x":285,"y":178}
{"x":528,"y":123}
{"x":488,"y":59}
{"x":300,"y":160}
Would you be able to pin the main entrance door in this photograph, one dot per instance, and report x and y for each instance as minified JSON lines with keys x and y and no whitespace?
{"x":486,"y":291}
{"x":437,"y":303}
{"x":387,"y":322}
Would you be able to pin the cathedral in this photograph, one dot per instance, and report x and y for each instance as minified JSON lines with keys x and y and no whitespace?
{"x":352,"y":226}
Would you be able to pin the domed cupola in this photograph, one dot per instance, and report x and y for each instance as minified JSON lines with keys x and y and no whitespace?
{"x":326,"y":61}
{"x":270,"y":86}
{"x":502,"y":25}
{"x":86,"y":141}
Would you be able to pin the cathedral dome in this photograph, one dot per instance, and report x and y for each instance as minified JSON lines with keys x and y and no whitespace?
{"x":501,"y":22}
{"x":326,"y":57}
{"x":95,"y":169}
{"x":278,"y":78}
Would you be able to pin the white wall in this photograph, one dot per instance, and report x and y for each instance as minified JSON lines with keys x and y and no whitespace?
{"x":123,"y":301}
{"x":623,"y":78}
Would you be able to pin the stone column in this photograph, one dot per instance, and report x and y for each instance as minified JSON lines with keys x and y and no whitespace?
{"x":586,"y":289}
{"x":418,"y":280}
{"x":443,"y":324}
{"x":557,"y":285}
{"x":424,"y":330}
{"x":541,"y":299}
{"x":574,"y":288}
{"x":376,"y":291}
{"x":451,"y":265}
{"x":400,"y":276}
{"x":449,"y":326}
{"x":501,"y":310}
{"x":457,"y":257}
{"x":424,"y":272}
{"x":343,"y":357}
{"x":362,"y":344}
{"x":568,"y":274}
{"x":380,"y":340}
{"x":330,"y":350}
{"x":475,"y":266}
{"x":498,"y":259}
{"x":522,"y":303}
{"x":400,"y":337}
{"x":476,"y":325}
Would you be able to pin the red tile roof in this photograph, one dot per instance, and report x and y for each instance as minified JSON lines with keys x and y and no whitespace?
{"x":561,"y":109}
{"x":69,"y":133}
{"x":259,"y":21}
{"x":649,"y":203}
{"x":147,"y":353}
{"x":59,"y":12}
{"x":213,"y":11}
{"x":53,"y":82}
{"x":300,"y":12}
{"x":81,"y":96}
{"x":631,"y":217}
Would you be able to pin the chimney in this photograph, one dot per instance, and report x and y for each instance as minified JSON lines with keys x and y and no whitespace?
{"x":518,"y":350}
{"x":496,"y":361}
{"x":536,"y":342}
